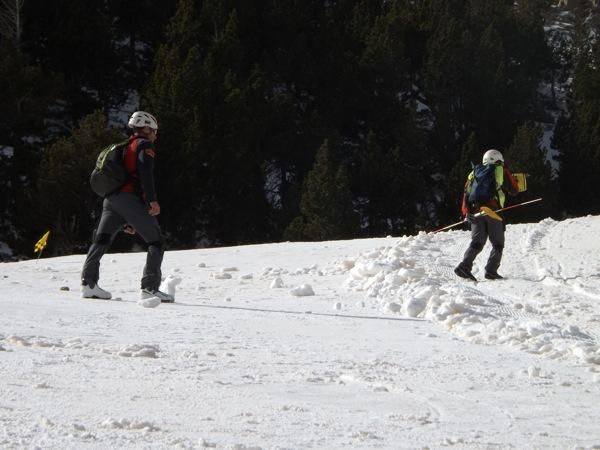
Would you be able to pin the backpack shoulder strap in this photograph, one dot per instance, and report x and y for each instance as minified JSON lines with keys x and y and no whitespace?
{"x":471,"y":174}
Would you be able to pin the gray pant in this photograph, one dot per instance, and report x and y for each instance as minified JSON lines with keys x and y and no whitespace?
{"x":117,"y":210}
{"x":482,"y":228}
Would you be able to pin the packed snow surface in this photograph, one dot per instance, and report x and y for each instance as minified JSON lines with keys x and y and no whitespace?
{"x":368,"y":343}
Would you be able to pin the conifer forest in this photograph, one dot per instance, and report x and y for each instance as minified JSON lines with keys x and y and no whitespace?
{"x":294,"y":119}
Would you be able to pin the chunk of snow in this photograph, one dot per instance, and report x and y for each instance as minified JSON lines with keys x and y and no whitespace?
{"x":302,"y":291}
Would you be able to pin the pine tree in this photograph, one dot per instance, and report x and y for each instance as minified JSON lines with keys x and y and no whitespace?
{"x":471,"y":154}
{"x":479,"y":73}
{"x":525,"y":155}
{"x":326,"y":206}
{"x":63,"y":200}
{"x":209,"y":94}
{"x":11,"y":20}
{"x":27,"y":91}
{"x":138,"y":28}
{"x":75,"y":39}
{"x":391,"y":186}
{"x":578,"y":134}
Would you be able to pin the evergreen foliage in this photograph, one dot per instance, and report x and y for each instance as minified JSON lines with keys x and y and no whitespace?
{"x":297,"y":120}
{"x":578,"y":134}
{"x":76,"y":39}
{"x":525,"y":155}
{"x":210,"y":101}
{"x":26,"y":91}
{"x":326,"y":210}
{"x":64,"y":173}
{"x":471,"y":154}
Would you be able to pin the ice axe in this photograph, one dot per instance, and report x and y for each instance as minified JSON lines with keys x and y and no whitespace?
{"x":485,"y":211}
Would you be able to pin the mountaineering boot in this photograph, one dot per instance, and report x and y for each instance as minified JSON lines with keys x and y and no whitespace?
{"x":464,"y":273}
{"x":94,"y":292}
{"x":149,"y":293}
{"x":493,"y":276}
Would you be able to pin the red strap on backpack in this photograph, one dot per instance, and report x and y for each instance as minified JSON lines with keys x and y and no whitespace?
{"x":513,"y":185}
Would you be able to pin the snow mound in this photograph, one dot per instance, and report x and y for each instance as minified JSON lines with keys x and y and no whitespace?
{"x":276,"y":283}
{"x":126,"y":424}
{"x":139,"y":351}
{"x":151,"y":302}
{"x":170,"y":284}
{"x":303,"y":290}
{"x":414,"y":278}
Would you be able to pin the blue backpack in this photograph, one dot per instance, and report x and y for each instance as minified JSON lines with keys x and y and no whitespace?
{"x":483,"y":188}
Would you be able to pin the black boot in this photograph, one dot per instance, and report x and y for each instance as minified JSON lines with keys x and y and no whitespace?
{"x":464,"y":273}
{"x":493,"y":276}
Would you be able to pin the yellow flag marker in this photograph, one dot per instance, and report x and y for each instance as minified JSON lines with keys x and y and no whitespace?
{"x":41,"y":244}
{"x":521,"y":179}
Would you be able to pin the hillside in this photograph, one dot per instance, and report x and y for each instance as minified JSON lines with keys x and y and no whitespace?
{"x":391,"y":351}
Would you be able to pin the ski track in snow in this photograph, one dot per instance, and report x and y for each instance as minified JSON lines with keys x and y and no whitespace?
{"x":414,"y":277}
{"x":280,"y":356}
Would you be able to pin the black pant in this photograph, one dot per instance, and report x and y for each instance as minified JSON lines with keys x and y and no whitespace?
{"x":483,"y":228}
{"x":117,"y":210}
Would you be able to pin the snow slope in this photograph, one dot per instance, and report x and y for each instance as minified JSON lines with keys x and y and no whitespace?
{"x":346,"y":344}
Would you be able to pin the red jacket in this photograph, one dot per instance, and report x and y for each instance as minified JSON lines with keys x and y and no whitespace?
{"x":138,"y":158}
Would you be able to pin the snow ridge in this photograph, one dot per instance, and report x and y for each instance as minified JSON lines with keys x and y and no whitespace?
{"x":414,"y":278}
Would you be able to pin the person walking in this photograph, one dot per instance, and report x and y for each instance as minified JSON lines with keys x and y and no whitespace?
{"x":486,"y":186}
{"x":133,"y":209}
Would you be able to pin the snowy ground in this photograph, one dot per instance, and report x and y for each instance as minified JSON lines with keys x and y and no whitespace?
{"x":392,"y":350}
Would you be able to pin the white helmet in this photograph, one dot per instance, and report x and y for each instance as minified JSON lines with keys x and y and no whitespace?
{"x":141,"y":119}
{"x":492,"y":157}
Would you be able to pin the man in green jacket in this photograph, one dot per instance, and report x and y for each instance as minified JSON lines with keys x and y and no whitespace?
{"x":486,"y":226}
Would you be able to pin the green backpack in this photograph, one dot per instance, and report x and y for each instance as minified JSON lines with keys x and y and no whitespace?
{"x":109,"y":174}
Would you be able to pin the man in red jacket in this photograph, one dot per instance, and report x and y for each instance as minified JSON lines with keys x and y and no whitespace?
{"x":132,"y":208}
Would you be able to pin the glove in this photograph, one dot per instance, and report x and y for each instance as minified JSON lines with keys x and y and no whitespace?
{"x":128,"y":229}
